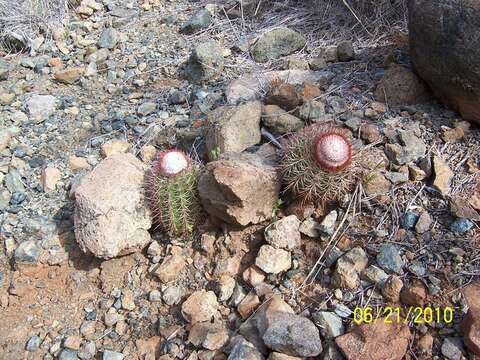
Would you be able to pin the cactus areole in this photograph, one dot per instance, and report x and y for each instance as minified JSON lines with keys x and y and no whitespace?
{"x":172,"y":162}
{"x":333,"y":151}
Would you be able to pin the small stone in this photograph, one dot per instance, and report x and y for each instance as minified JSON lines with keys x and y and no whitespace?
{"x":273,"y":261}
{"x":4,"y":69}
{"x":318,"y":63}
{"x":425,"y":345}
{"x":147,"y":108}
{"x":225,"y":285}
{"x":279,"y":121}
{"x":199,"y":21}
{"x":49,"y":179}
{"x":460,"y":226}
{"x":409,"y":220}
{"x":69,"y":76}
{"x":452,"y":348}
{"x":148,"y":153}
{"x":112,"y":355}
{"x":172,"y":295}
{"x":345,"y":51}
{"x":424,"y":222}
{"x":78,"y":163}
{"x":248,"y":305}
{"x":68,"y":354}
{"x":277,"y":43}
{"x":396,"y":177}
{"x":200,"y":306}
{"x":87,"y":329}
{"x":128,"y":300}
{"x":410,"y":149}
{"x":5,"y":139}
{"x":331,"y":325}
{"x":471,"y":321}
{"x":253,"y":276}
{"x":416,"y":174}
{"x":244,"y":350}
{"x":114,"y":147}
{"x":169,"y":269}
{"x":414,"y":294}
{"x":284,"y":233}
{"x":282,"y":94}
{"x":28,"y":251}
{"x":389,"y":259}
{"x":327,"y":226}
{"x":313,"y":110}
{"x":33,"y":344}
{"x":108,"y":38}
{"x":73,"y":342}
{"x":206,"y":62}
{"x":391,"y":288}
{"x":370,"y":133}
{"x":155,"y":296}
{"x":309,"y":227}
{"x":296,"y":63}
{"x":375,"y":183}
{"x":6,"y":98}
{"x":442,"y":175}
{"x":40,"y":107}
{"x":374,"y":275}
{"x":452,"y":135}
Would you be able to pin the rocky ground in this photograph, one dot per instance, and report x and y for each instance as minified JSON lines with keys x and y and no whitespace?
{"x":267,"y":278}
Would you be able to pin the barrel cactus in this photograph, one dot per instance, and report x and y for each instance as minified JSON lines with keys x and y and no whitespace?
{"x":318,"y":164}
{"x":172,"y":192}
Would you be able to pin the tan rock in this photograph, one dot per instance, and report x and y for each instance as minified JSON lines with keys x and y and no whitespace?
{"x":280,"y":356}
{"x":375,"y":183}
{"x":69,"y":76}
{"x":6,"y":98}
{"x":253,"y":276}
{"x":49,"y":178}
{"x":239,"y":189}
{"x":425,"y":345}
{"x":200,"y":306}
{"x":170,"y":268}
{"x":375,"y":341}
{"x":114,"y":147}
{"x":55,"y":62}
{"x":424,"y":222}
{"x":109,"y":222}
{"x":453,"y":135}
{"x":414,"y":294}
{"x":391,"y":288}
{"x":471,"y":321}
{"x":77,"y":163}
{"x":5,"y":139}
{"x":272,"y":260}
{"x":442,"y":175}
{"x":248,"y":305}
{"x":148,"y":153}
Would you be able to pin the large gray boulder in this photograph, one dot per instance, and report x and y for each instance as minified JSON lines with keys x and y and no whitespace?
{"x":111,"y":217}
{"x":445,"y":51}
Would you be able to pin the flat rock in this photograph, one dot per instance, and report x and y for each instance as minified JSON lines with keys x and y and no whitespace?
{"x":376,"y":341}
{"x":442,"y":175}
{"x":279,"y":121}
{"x":69,"y":76}
{"x":40,"y":107}
{"x":239,"y":189}
{"x":277,"y":43}
{"x":284,"y":233}
{"x":200,"y":306}
{"x":249,"y":86}
{"x":272,"y":260}
{"x":109,"y":222}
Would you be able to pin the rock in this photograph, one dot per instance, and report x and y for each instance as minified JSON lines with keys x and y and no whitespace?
{"x":318,"y":63}
{"x":400,"y":86}
{"x":169,"y":269}
{"x":442,"y":176}
{"x":114,"y":146}
{"x":345,"y":51}
{"x":49,"y":179}
{"x":248,"y":305}
{"x":225,"y":286}
{"x":409,"y":220}
{"x":244,"y":350}
{"x":277,"y":43}
{"x":460,"y":208}
{"x":370,"y":133}
{"x":155,"y":296}
{"x":452,"y":348}
{"x":197,"y":22}
{"x":330,"y":324}
{"x":296,"y":63}
{"x":396,"y":177}
{"x":5,"y":138}
{"x":280,"y":356}
{"x":414,"y":294}
{"x":283,"y":95}
{"x":40,"y":107}
{"x":239,"y":189}
{"x":279,"y":121}
{"x":78,"y":163}
{"x":348,"y":267}
{"x":250,"y":87}
{"x":452,"y":135}
{"x":6,"y":98}
{"x":375,"y":183}
{"x":391,"y":288}
{"x":33,"y":343}
{"x":425,"y":345}
{"x":374,"y":275}
{"x":172,"y":295}
{"x":453,"y":73}
{"x":147,"y":108}
{"x":389,"y":259}
{"x":68,"y":354}
{"x":375,"y":341}
{"x":233,"y":129}
{"x":327,"y":226}
{"x":292,"y":335}
{"x":460,"y":226}
{"x":200,"y":306}
{"x":312,"y":110}
{"x":108,"y":39}
{"x":112,"y":355}
{"x":73,"y":342}
{"x":110,"y":223}
{"x":205,"y":63}
{"x":148,"y":153}
{"x":284,"y":233}
{"x":253,"y":276}
{"x":4,"y":69}
{"x":309,"y":227}
{"x":27,"y":252}
{"x":69,"y":76}
{"x":273,"y":261}
{"x":471,"y":322}
{"x":411,"y":149}
{"x":13,"y":182}
{"x":424,"y":222}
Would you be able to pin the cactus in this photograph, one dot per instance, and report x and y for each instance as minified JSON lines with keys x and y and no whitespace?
{"x":318,"y":164}
{"x":172,"y":192}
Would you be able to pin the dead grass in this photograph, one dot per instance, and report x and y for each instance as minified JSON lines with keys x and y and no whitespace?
{"x":24,"y":20}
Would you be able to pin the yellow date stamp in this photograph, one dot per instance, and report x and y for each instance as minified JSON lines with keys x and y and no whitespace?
{"x":396,"y":315}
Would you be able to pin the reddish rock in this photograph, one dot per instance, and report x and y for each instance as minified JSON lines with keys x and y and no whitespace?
{"x":471,"y":322}
{"x":376,"y":341}
{"x":282,"y":94}
{"x":414,"y":294}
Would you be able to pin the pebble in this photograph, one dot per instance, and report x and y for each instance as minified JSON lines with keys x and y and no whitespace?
{"x":155,"y":296}
{"x":112,"y":355}
{"x":330,"y":324}
{"x":284,"y":233}
{"x":272,"y":260}
{"x":327,"y":226}
{"x":27,"y":251}
{"x":200,"y":306}
{"x":50,"y":177}
{"x":172,"y":295}
{"x":68,"y":354}
{"x":33,"y":343}
{"x":108,"y":38}
{"x":452,"y":348}
{"x":389,"y":259}
{"x":460,"y":226}
{"x":409,"y":220}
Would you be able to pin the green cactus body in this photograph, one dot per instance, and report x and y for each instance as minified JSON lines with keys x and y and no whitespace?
{"x":174,"y":200}
{"x":305,"y":178}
